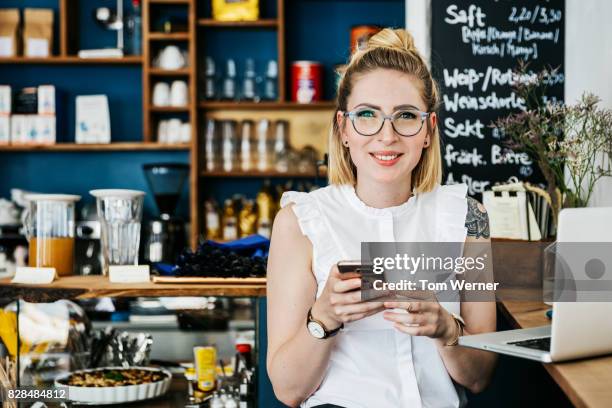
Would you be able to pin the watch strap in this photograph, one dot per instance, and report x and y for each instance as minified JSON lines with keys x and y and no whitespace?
{"x":328,"y":333}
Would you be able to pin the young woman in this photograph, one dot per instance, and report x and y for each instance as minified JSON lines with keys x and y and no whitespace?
{"x":384,"y":173}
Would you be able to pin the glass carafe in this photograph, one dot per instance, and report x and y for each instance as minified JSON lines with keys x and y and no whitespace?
{"x":49,"y":226}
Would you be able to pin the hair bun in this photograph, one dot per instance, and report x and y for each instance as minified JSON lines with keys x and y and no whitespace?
{"x":395,"y":39}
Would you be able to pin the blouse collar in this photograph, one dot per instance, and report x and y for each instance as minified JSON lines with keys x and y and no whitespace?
{"x":349,"y":192}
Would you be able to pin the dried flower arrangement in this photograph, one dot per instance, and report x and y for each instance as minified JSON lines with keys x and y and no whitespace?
{"x":572,"y":144}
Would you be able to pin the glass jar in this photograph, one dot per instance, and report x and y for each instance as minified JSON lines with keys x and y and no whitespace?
{"x":49,"y":225}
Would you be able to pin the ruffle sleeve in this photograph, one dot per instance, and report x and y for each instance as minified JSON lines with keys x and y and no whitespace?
{"x":315,"y":227}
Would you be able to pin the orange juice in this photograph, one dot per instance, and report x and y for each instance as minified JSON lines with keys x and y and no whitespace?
{"x":55,"y":253}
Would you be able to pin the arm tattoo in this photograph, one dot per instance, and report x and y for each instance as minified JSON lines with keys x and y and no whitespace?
{"x":476,"y":220}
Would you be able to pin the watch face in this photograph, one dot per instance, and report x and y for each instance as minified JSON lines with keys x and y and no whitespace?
{"x":316,"y":330}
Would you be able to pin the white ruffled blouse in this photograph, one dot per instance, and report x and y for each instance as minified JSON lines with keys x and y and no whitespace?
{"x":372,"y":364}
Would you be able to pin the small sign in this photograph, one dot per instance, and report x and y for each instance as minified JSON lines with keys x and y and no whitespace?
{"x":34,"y":276}
{"x":129,"y":273}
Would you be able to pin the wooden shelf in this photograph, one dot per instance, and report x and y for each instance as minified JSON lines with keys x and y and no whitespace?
{"x":274,"y":174}
{"x":169,"y":1}
{"x":169,"y":36}
{"x":266,"y":22}
{"x":169,"y":72}
{"x":130,"y":59}
{"x":169,"y":109}
{"x":88,"y":287}
{"x":74,"y":147}
{"x":276,"y":105}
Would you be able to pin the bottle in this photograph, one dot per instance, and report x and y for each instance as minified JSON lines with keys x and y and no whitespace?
{"x":134,"y":28}
{"x":265,"y":210}
{"x":216,"y":402}
{"x":229,"y":145}
{"x":281,"y":147}
{"x":210,"y":80}
{"x":205,"y":363}
{"x":213,"y":220}
{"x":211,"y":145}
{"x":263,"y":157}
{"x":230,"y":223}
{"x":248,"y":81}
{"x":244,"y":355}
{"x":229,"y":82}
{"x":246,"y":145}
{"x":244,"y":394}
{"x":247,"y":219}
{"x":270,"y":91}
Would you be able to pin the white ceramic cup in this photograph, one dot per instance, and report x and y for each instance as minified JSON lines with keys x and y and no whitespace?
{"x":161,"y":94}
{"x":186,"y":132}
{"x":171,"y":58}
{"x":174,"y":131}
{"x":162,"y":131}
{"x":178,"y":93}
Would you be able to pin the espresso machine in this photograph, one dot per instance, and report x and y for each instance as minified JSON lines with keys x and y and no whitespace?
{"x":164,"y":237}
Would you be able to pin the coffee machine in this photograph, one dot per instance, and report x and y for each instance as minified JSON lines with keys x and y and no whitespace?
{"x":164,"y":237}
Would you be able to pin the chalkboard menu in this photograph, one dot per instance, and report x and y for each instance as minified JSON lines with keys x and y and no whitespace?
{"x":476,"y":46}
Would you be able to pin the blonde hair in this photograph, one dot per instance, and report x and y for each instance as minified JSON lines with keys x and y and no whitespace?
{"x":389,"y":49}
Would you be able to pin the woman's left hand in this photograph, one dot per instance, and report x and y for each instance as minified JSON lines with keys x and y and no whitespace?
{"x":426,"y":318}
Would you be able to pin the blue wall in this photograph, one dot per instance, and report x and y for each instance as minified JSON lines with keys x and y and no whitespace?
{"x":79,"y":172}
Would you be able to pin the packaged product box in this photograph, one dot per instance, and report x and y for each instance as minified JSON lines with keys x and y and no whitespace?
{"x":5,"y":100}
{"x":235,"y":10}
{"x":26,"y":101}
{"x":31,"y":129}
{"x":9,"y":32}
{"x":18,"y":129}
{"x":5,"y":129}
{"x":38,"y":32}
{"x":45,"y":129}
{"x":92,"y":119}
{"x":46,"y":100}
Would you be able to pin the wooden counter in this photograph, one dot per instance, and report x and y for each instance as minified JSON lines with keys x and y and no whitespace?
{"x":587,"y":383}
{"x":85,"y":287}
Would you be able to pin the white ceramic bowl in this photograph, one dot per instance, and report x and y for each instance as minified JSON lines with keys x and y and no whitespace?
{"x":116,"y":395}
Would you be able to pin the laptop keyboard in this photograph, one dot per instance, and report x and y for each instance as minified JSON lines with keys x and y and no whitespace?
{"x":542,"y":343}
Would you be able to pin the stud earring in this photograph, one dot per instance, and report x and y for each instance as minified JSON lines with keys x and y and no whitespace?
{"x":345,"y":143}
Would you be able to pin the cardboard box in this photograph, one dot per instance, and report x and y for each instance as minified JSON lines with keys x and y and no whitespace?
{"x":45,"y":129}
{"x":46,"y":100}
{"x":18,"y":129}
{"x":92,"y":119}
{"x":5,"y":99}
{"x":5,"y":129}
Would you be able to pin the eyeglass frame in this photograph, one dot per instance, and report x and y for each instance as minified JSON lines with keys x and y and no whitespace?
{"x":351,"y":116}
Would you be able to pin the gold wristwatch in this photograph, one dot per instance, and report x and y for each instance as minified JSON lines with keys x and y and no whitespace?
{"x":460,"y":325}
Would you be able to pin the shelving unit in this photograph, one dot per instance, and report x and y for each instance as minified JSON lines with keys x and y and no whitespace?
{"x":274,"y":105}
{"x":73,"y":59}
{"x":291,"y":42}
{"x":97,"y":286}
{"x":111,"y":147}
{"x":255,"y":174}
{"x":265,"y":22}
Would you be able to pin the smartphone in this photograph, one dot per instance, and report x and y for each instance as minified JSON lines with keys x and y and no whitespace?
{"x":352,"y":269}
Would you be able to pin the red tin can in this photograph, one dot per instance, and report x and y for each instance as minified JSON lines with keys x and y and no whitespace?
{"x":306,"y":81}
{"x":361,"y":34}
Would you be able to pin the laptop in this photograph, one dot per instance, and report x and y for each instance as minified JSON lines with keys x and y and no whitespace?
{"x":578,"y":329}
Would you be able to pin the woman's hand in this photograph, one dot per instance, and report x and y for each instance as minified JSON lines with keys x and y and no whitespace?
{"x":341,"y":302}
{"x":426,"y":318}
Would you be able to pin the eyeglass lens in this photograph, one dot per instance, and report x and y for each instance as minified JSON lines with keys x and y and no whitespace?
{"x":406,"y":122}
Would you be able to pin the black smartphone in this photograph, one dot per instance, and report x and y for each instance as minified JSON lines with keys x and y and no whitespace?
{"x":353,"y":269}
